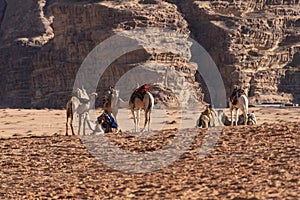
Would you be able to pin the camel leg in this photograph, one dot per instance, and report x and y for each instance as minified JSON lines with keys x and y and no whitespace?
{"x":115,"y":113}
{"x":69,"y":123}
{"x":79,"y":125}
{"x":89,"y":123}
{"x":149,"y":119}
{"x":67,"y":127}
{"x":237,"y":117}
{"x":146,"y":121}
{"x":134,"y":119}
{"x":68,"y":113}
{"x":138,"y":119}
{"x":246,"y":115}
{"x":84,"y":123}
{"x":231,"y":112}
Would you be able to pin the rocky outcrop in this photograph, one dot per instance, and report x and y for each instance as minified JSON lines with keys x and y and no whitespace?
{"x":81,"y":28}
{"x":24,"y":31}
{"x":253,"y":43}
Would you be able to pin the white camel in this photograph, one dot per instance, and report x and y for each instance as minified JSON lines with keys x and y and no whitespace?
{"x":79,"y":103}
{"x":238,"y":101}
{"x":140,"y":99}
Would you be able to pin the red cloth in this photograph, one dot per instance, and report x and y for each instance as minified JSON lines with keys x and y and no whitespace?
{"x":140,"y":92}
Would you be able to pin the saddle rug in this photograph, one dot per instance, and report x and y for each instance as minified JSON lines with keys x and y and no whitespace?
{"x":140,"y":93}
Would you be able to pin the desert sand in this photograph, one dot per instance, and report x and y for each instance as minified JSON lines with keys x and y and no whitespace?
{"x":247,"y":162}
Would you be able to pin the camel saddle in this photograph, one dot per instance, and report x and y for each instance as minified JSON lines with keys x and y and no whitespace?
{"x":140,"y":93}
{"x":82,"y":95}
{"x":235,"y":95}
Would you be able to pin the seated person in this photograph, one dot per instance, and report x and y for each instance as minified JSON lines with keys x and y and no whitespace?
{"x":107,"y":122}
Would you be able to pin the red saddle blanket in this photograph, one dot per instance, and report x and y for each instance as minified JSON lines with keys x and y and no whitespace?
{"x":140,"y":92}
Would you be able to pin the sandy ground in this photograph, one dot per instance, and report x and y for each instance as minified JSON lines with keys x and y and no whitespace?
{"x":29,"y":122}
{"x":259,"y":162}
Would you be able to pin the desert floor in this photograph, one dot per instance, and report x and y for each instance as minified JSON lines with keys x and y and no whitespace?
{"x":173,"y":161}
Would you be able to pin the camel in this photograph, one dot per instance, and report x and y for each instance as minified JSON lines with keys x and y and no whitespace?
{"x":204,"y":119}
{"x":79,"y":103}
{"x":140,"y":99}
{"x":209,"y":118}
{"x":238,"y":101}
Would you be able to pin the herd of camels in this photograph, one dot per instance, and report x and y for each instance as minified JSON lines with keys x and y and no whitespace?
{"x":141,"y":99}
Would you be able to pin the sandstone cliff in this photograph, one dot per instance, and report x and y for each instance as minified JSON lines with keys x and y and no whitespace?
{"x":44,"y":42}
{"x":254,"y":43}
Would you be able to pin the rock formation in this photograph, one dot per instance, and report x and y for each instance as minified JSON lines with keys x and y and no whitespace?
{"x":253,"y":43}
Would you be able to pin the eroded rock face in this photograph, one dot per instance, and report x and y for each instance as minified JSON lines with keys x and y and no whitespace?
{"x":24,"y":30}
{"x":43,"y":44}
{"x":252,"y":43}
